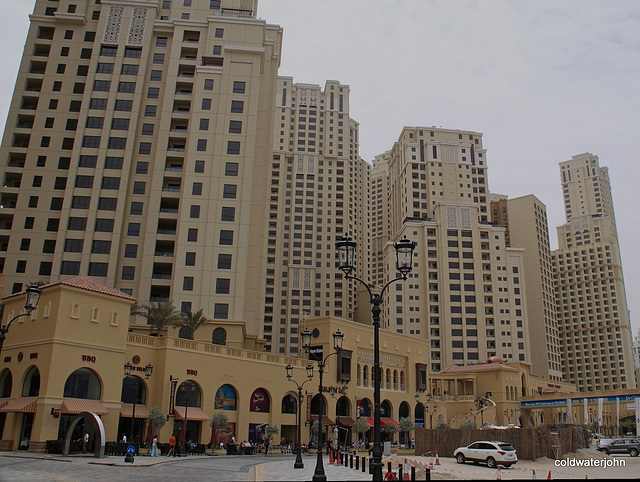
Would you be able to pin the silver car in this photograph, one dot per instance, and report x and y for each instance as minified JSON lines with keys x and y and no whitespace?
{"x":492,"y":452}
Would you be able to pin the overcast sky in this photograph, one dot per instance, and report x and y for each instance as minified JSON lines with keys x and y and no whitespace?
{"x":543,"y":80}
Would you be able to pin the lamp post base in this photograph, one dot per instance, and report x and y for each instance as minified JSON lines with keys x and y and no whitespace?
{"x":298,"y":463}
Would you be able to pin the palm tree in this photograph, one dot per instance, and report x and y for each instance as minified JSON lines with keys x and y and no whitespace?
{"x":192,"y":321}
{"x":160,"y":316}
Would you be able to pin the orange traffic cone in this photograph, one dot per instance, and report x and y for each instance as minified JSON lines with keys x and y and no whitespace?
{"x":437,"y":459}
{"x":331,"y":457}
{"x":405,"y":471}
{"x":549,"y":476}
{"x":338,"y":459}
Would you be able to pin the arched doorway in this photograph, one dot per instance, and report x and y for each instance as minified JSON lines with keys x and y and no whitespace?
{"x":133,"y":395}
{"x":344,"y":422}
{"x":189,"y":415}
{"x":88,"y":418}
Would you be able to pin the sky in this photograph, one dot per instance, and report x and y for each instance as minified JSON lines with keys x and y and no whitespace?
{"x":542,"y":80}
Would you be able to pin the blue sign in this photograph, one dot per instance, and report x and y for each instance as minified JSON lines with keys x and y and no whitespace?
{"x":131,"y":450}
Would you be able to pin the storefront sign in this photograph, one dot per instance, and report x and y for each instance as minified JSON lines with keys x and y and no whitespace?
{"x":89,"y":358}
{"x":192,"y":372}
{"x":172,"y":397}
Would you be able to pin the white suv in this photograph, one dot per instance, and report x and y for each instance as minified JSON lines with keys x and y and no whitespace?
{"x":492,"y":452}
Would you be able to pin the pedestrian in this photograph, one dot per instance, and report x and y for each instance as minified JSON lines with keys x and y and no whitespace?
{"x":124,"y":438}
{"x":266,"y":446}
{"x":85,"y":442}
{"x":172,"y":446}
{"x":154,"y":446}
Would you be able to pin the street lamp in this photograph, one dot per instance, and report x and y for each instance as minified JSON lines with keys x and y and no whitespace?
{"x":428,"y":409}
{"x":188,"y":388}
{"x":127,"y":373}
{"x":30,"y":304}
{"x":338,"y":338}
{"x":298,"y":463}
{"x":404,"y":263}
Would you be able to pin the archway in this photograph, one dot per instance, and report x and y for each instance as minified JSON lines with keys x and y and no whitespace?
{"x":98,"y":430}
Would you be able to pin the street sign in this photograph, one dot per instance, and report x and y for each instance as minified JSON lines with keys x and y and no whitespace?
{"x":131,"y":450}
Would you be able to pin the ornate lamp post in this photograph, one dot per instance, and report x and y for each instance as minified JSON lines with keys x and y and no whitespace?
{"x":338,"y":337}
{"x":298,"y":463}
{"x":127,"y":373}
{"x":188,"y":388}
{"x":30,"y":304}
{"x":404,"y":263}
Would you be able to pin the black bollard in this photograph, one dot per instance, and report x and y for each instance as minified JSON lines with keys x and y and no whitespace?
{"x":357,"y":462}
{"x":399,"y":471}
{"x":389,"y":467}
{"x":413,"y":474}
{"x":350,"y":461}
{"x":364,"y":463}
{"x":428,"y":473}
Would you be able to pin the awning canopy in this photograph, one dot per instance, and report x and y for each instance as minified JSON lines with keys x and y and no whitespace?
{"x":21,"y":405}
{"x":193,"y":413}
{"x":345,"y":421}
{"x":384,"y":421}
{"x":79,"y":405}
{"x":126,"y":410}
{"x":325,"y":420}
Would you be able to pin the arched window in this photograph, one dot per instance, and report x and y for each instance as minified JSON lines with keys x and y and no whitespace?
{"x":343,"y":407}
{"x":404,"y":411}
{"x":402,"y":380}
{"x":395,"y":379}
{"x":83,"y":383}
{"x":75,"y":311}
{"x":365,"y":408}
{"x":318,"y":404}
{"x":358,"y":374}
{"x":31,"y":386}
{"x":388,"y":379}
{"x":185,"y":332}
{"x":418,"y":414}
{"x":188,"y":394}
{"x":219,"y":336}
{"x":260,"y":401}
{"x":133,"y":390}
{"x":226,"y":398}
{"x":289,"y":404}
{"x":385,"y":409}
{"x":6,"y":382}
{"x":95,"y":315}
{"x":365,"y":376}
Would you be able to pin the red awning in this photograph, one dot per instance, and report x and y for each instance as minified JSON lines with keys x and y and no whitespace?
{"x":325,"y":420}
{"x":345,"y":421}
{"x":370,"y":422}
{"x":79,"y":405}
{"x":21,"y":405}
{"x":193,"y":413}
{"x":126,"y":410}
{"x":384,"y":421}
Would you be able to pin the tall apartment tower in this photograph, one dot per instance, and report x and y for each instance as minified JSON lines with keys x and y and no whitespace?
{"x":525,"y":220}
{"x":466,"y":292}
{"x":137,"y":150}
{"x":593,"y":317}
{"x":318,"y":192}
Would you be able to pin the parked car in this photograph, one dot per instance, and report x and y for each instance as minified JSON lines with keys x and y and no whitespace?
{"x":492,"y":452}
{"x":629,"y":446}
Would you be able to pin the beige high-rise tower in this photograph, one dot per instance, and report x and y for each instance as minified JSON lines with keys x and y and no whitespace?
{"x":137,"y":151}
{"x":593,"y":316}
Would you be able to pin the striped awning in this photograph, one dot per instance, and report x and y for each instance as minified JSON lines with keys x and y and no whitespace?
{"x":193,"y":413}
{"x":21,"y":405}
{"x":126,"y":410}
{"x":79,"y":405}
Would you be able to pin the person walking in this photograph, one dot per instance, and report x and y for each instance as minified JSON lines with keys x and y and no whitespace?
{"x":172,"y":446}
{"x":154,"y":446}
{"x":85,"y":442}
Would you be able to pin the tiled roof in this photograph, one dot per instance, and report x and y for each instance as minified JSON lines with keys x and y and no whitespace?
{"x":90,"y":284}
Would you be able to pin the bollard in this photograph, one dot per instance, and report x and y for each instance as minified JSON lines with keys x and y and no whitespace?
{"x":370,"y":469}
{"x":346,"y":459}
{"x":428,"y":473}
{"x":350,"y":461}
{"x":389,"y":467}
{"x":364,"y":464}
{"x":357,"y":463}
{"x":399,"y":471}
{"x":413,"y":473}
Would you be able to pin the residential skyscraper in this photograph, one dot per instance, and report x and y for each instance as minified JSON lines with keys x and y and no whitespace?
{"x":593,"y":317}
{"x":137,"y":150}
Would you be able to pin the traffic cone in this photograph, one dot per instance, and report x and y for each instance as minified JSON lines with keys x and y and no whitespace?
{"x":331,"y":457}
{"x":405,"y":471}
{"x":338,"y":462}
{"x":499,"y":474}
{"x":437,"y":459}
{"x":549,"y":476}
{"x":533,"y":476}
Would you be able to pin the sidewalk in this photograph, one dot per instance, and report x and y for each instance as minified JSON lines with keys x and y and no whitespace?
{"x":282,"y":469}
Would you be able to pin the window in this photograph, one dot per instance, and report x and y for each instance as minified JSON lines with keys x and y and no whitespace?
{"x":202,"y":145}
{"x":196,"y":190}
{"x":231,"y":169}
{"x":123,"y":105}
{"x":153,"y":93}
{"x":104,"y":68}
{"x":237,"y":106}
{"x":139,"y":187}
{"x":89,"y":36}
{"x":199,"y":166}
{"x":120,"y":124}
{"x":228,"y":214}
{"x":226,"y":237}
{"x":113,"y":162}
{"x":84,"y":181}
{"x":61,"y":68}
{"x":102,"y":85}
{"x":235,"y":127}
{"x":33,"y":201}
{"x":224,"y":261}
{"x":82,"y":71}
{"x":64,"y":52}
{"x":67,"y":143}
{"x":56,"y":203}
{"x":190,"y":259}
{"x":70,"y":268}
{"x":194,"y":211}
{"x":94,"y":123}
{"x":204,"y":124}
{"x":98,"y":104}
{"x":229,"y":191}
{"x":101,"y":247}
{"x":68,"y":34}
{"x":25,"y":243}
{"x":142,"y":167}
{"x":147,"y":129}
{"x":239,"y":87}
{"x":156,"y":75}
{"x":72,"y":124}
{"x":222,"y":286}
{"x":45,"y":268}
{"x":208,"y":84}
{"x":98,"y":269}
{"x":131,"y":251}
{"x":107,"y":203}
{"x":77,"y":224}
{"x":206,"y":104}
{"x":117,"y":143}
{"x":221,"y":311}
{"x":49,"y":246}
{"x":158,"y":58}
{"x":161,"y":41}
{"x":80,"y":202}
{"x":53,"y":224}
{"x":108,"y":51}
{"x":126,"y":87}
{"x":133,"y":229}
{"x":145,"y":148}
{"x":132,"y":53}
{"x":53,"y":104}
{"x":112,"y":183}
{"x":217,"y":50}
{"x":128,"y":273}
{"x":78,"y":88}
{"x":45,"y":141}
{"x":28,"y":222}
{"x":233,"y":147}
{"x":37,"y":181}
{"x":187,"y":283}
{"x":214,"y":4}
{"x":219,"y":33}
{"x":104,"y":225}
{"x":192,"y":235}
{"x":57,"y":86}
{"x":150,"y":110}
